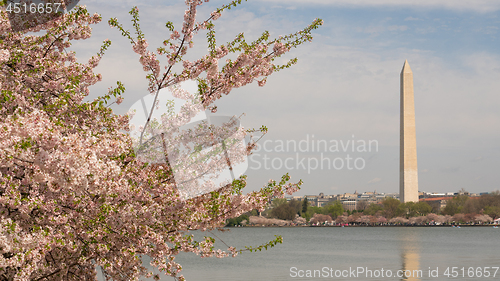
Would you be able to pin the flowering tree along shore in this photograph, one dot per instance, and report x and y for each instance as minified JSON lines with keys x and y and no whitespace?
{"x":459,"y":209}
{"x":73,"y":193}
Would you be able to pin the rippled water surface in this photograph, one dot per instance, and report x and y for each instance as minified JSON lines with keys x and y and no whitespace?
{"x":350,"y":253}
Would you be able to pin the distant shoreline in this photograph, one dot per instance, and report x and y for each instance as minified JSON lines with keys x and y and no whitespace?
{"x":291,"y":226}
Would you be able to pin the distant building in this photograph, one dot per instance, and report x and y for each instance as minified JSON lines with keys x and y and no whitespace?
{"x":438,"y":202}
{"x":350,"y":201}
{"x":349,"y":205}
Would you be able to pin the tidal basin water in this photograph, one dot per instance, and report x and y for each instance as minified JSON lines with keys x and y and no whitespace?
{"x":350,"y":253}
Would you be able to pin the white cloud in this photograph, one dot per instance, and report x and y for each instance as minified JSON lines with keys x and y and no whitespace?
{"x":397,"y":28}
{"x":477,"y":159}
{"x":482,"y":6}
{"x":450,"y":169}
{"x":375,"y":180}
{"x":413,"y":19}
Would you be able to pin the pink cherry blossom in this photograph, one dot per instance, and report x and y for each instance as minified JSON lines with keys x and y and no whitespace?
{"x":74,"y":191}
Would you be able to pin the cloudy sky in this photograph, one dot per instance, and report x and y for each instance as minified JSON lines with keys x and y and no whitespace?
{"x":345,"y":87}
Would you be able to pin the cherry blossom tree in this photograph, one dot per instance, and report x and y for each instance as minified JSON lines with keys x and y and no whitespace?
{"x":74,"y":194}
{"x":381,"y":220}
{"x":483,"y":219}
{"x":341,"y":219}
{"x":320,"y":218}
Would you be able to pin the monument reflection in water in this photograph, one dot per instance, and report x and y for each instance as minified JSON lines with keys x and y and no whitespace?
{"x":410,"y":255}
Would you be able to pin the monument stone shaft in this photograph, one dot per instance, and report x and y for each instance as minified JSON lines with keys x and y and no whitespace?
{"x":408,"y":172}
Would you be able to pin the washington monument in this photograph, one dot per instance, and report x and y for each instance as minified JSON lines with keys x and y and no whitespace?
{"x":408,"y":172}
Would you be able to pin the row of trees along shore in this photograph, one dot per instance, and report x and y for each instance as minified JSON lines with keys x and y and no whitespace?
{"x":461,"y":209}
